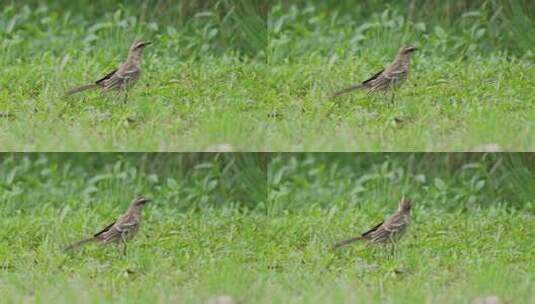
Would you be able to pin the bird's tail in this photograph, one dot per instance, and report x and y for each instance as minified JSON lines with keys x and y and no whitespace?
{"x":346,"y":242}
{"x":347,"y":90}
{"x":78,"y":244}
{"x":82,"y":88}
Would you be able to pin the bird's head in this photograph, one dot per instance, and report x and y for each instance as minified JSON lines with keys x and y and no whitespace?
{"x":139,"y":45}
{"x":140,"y":201}
{"x":407,"y":49}
{"x":405,"y":204}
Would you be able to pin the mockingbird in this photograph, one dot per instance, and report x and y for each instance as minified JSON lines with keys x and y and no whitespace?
{"x":388,"y":78}
{"x":388,"y":231}
{"x":121,"y":78}
{"x":123,"y":229}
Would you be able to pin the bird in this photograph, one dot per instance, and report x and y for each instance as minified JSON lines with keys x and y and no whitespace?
{"x":124,"y":76}
{"x":388,"y":231}
{"x":123,"y":229}
{"x":388,"y":78}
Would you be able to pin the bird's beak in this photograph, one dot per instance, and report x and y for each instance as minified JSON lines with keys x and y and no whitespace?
{"x":146,"y":43}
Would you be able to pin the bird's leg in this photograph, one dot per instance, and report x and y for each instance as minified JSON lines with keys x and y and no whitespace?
{"x":392,"y":244}
{"x":123,"y":239}
{"x":393,"y":94}
{"x":125,"y":95}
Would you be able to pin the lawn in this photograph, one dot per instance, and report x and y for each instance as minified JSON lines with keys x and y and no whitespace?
{"x":196,"y":93}
{"x":225,"y":77}
{"x":204,"y":238}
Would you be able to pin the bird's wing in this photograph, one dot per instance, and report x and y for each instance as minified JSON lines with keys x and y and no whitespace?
{"x":126,"y":221}
{"x":395,"y":74}
{"x":113,"y":82}
{"x":395,"y":223}
{"x":127,"y":70}
{"x":121,"y":76}
{"x":126,"y":225}
{"x":373,"y":77}
{"x":365,"y":234}
{"x":104,"y":230}
{"x":108,"y":76}
{"x":381,"y":82}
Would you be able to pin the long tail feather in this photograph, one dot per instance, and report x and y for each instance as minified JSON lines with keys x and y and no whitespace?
{"x":78,"y":244}
{"x":347,"y":90}
{"x":82,"y":88}
{"x":346,"y":242}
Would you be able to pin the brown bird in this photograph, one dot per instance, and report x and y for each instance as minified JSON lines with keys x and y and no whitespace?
{"x":123,"y":77}
{"x":388,"y":78}
{"x":388,"y":231}
{"x":123,"y":229}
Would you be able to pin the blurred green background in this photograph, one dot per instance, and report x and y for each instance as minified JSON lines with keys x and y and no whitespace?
{"x":208,"y":27}
{"x":189,"y":28}
{"x":449,"y":28}
{"x":269,"y":182}
{"x":444,"y":181}
{"x":180,"y":181}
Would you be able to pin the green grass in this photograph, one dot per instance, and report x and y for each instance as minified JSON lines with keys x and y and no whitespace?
{"x":213,"y":81}
{"x":257,"y":258}
{"x":188,"y":110}
{"x":445,"y":106}
{"x":192,"y":248}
